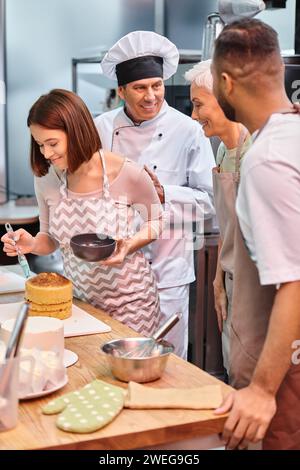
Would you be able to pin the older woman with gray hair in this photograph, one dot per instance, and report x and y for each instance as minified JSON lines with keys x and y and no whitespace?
{"x":235,"y":141}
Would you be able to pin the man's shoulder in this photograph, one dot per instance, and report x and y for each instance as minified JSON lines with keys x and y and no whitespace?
{"x":281,"y":128}
{"x":181,"y":116}
{"x":278,"y":142}
{"x":106,"y":117}
{"x":186,"y":123}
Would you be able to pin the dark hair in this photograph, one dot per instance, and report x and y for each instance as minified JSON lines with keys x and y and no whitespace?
{"x":64,"y":110}
{"x":245,"y":42}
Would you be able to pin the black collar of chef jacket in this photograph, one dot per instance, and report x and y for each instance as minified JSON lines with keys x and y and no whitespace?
{"x":131,"y":124}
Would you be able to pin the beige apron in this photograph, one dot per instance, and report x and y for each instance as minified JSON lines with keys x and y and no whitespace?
{"x":251,"y":308}
{"x":225,"y":186}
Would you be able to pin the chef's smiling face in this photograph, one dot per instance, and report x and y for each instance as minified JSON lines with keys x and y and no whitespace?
{"x":52,"y":143}
{"x":206,"y":110}
{"x":143,"y":98}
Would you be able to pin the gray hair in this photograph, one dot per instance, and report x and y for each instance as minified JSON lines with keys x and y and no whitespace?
{"x":201,"y":75}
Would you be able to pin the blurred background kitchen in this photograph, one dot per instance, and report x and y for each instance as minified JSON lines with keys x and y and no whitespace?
{"x":59,"y":44}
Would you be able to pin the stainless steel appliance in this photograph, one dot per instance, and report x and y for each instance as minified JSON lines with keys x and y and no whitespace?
{"x":212,"y":29}
{"x":275,"y":3}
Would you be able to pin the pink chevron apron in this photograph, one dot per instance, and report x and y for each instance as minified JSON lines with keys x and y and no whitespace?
{"x":126,"y":292}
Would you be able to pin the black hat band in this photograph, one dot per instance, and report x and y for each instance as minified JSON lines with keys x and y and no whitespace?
{"x":139,"y":68}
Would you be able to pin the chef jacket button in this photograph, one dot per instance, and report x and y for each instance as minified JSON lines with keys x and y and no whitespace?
{"x":154,"y":167}
{"x":160,"y":135}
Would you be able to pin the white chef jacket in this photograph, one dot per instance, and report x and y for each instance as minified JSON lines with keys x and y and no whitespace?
{"x":174,"y":147}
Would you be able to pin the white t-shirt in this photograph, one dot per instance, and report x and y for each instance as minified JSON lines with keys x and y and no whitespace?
{"x":268,"y":202}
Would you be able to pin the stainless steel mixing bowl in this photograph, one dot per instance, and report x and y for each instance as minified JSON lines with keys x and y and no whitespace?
{"x":147,"y":368}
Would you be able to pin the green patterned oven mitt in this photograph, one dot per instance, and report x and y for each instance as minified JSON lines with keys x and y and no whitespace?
{"x":88,"y":409}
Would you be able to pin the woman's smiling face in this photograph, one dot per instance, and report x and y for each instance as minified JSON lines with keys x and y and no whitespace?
{"x":52,"y":144}
{"x":206,"y":110}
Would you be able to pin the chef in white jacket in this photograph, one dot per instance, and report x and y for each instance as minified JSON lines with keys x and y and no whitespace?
{"x":176,"y":153}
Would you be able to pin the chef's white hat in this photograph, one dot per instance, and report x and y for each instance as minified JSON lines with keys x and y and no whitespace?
{"x":139,"y":55}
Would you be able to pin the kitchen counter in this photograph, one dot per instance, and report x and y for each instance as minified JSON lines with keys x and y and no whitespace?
{"x":26,"y":217}
{"x":132,"y":429}
{"x":20,"y":215}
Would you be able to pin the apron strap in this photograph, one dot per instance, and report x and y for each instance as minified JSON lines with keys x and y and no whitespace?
{"x":105,"y":177}
{"x":241,"y":141}
{"x":64,"y":186}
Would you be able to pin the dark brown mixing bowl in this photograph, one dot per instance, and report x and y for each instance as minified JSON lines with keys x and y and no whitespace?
{"x":92,"y":246}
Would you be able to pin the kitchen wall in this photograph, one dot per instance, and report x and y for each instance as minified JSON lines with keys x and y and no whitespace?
{"x":2,"y":106}
{"x":283,"y":21}
{"x":42,"y":37}
{"x":185,"y":21}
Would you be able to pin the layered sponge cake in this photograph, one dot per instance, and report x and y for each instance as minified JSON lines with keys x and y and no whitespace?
{"x":49,"y":294}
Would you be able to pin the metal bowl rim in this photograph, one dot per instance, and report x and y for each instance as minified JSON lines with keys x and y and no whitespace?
{"x":163,"y":342}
